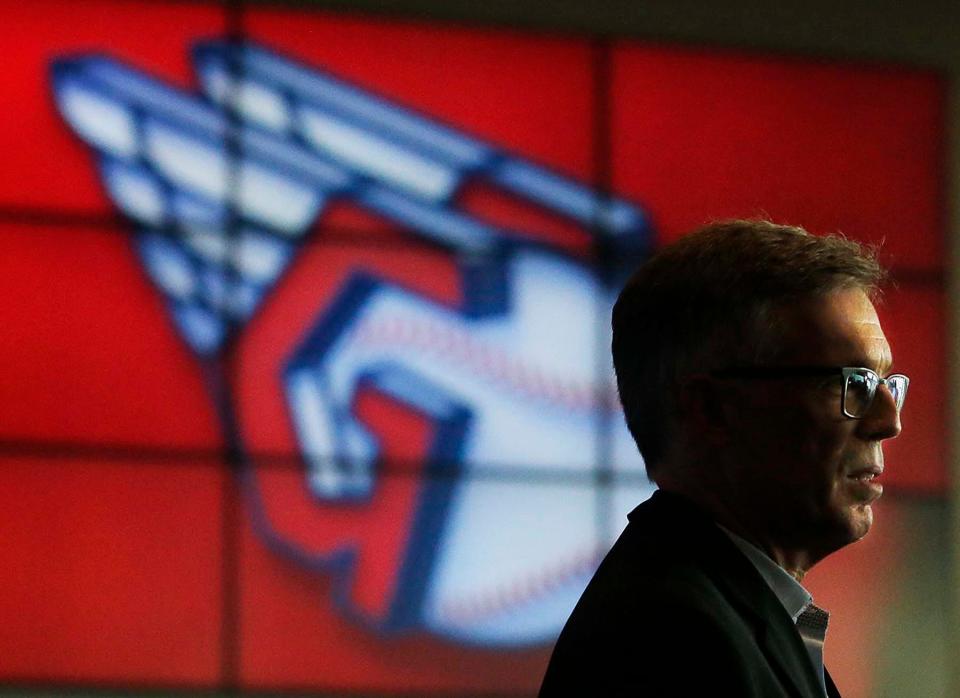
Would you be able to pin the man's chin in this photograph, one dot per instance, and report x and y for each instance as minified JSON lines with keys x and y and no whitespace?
{"x":849,"y":524}
{"x":859,"y":521}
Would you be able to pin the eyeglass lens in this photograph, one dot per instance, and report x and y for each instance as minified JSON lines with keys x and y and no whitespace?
{"x":862,"y":386}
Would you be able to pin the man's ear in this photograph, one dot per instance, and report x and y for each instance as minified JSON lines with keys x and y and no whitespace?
{"x":706,"y":408}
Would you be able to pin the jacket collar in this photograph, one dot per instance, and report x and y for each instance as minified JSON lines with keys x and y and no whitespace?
{"x":689,"y":528}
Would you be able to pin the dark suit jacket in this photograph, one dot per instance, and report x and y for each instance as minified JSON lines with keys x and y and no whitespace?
{"x":675,"y":609}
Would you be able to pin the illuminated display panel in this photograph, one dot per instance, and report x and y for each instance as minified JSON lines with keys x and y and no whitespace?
{"x":351,"y":563}
{"x":296,"y":633}
{"x":529,"y":94}
{"x":43,"y":165}
{"x":851,"y":148}
{"x":114,"y":573}
{"x":309,"y":289}
{"x":92,"y":359}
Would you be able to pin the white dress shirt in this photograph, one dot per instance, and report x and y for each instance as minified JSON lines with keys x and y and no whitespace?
{"x":797,"y":601}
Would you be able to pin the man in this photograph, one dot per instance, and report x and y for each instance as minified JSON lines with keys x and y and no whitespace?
{"x":754,"y":377}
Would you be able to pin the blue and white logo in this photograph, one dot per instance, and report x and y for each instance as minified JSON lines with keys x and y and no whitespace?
{"x":533,"y":468}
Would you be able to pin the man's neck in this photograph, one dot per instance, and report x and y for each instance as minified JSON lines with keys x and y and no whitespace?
{"x":795,"y":562}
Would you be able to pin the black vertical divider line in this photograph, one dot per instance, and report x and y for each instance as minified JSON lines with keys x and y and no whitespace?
{"x":602,"y":262}
{"x":219,"y":378}
{"x":217,"y":383}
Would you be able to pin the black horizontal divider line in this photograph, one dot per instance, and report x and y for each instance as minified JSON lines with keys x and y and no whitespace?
{"x":522,"y":475}
{"x":276,"y":460}
{"x":69,"y":218}
{"x":63,"y":217}
{"x":110,"y":452}
{"x":161,"y":689}
{"x":341,"y":235}
{"x":320,"y":233}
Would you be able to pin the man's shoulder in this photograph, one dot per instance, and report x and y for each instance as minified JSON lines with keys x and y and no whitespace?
{"x":670,"y":554}
{"x":672,"y":587}
{"x":668,"y":537}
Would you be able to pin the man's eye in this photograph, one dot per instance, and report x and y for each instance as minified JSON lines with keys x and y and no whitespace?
{"x":833,"y":384}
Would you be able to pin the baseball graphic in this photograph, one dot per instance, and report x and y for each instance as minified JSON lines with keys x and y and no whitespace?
{"x":529,"y":469}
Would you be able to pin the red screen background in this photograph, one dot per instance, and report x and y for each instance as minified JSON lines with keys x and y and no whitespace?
{"x":130,"y":559}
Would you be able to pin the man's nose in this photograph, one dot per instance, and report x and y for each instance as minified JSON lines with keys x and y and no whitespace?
{"x":882,"y":420}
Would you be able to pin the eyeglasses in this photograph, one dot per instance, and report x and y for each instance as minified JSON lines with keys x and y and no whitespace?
{"x":859,"y":384}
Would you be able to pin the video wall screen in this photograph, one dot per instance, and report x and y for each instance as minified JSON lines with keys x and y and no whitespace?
{"x":306,"y":378}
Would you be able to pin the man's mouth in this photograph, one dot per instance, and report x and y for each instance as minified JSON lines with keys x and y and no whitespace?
{"x":865,"y":484}
{"x":866,"y":474}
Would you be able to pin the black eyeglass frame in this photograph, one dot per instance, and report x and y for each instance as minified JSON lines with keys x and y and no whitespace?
{"x":774,"y":372}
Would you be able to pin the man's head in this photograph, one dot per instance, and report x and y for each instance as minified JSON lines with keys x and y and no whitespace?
{"x":769,"y":446}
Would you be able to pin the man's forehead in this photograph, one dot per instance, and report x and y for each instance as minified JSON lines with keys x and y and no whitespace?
{"x":837,"y":328}
{"x":870,"y":327}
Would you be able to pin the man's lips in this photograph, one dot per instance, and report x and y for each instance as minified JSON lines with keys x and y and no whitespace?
{"x":863,"y":483}
{"x":867,"y":473}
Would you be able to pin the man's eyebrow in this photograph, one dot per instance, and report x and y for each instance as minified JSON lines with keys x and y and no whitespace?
{"x":885,"y":367}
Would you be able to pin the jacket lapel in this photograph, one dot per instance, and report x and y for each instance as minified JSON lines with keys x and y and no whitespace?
{"x":785,"y":650}
{"x":747,"y":591}
{"x":775,"y":631}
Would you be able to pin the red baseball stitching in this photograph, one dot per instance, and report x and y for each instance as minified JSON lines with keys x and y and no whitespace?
{"x":537,"y":585}
{"x":494,"y":363}
{"x":515,"y":375}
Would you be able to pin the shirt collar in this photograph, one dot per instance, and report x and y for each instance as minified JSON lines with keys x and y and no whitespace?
{"x":790,"y":592}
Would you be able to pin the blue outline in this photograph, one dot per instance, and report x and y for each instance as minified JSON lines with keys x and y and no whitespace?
{"x":439,"y":479}
{"x":483,"y":250}
{"x":623,"y":222}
